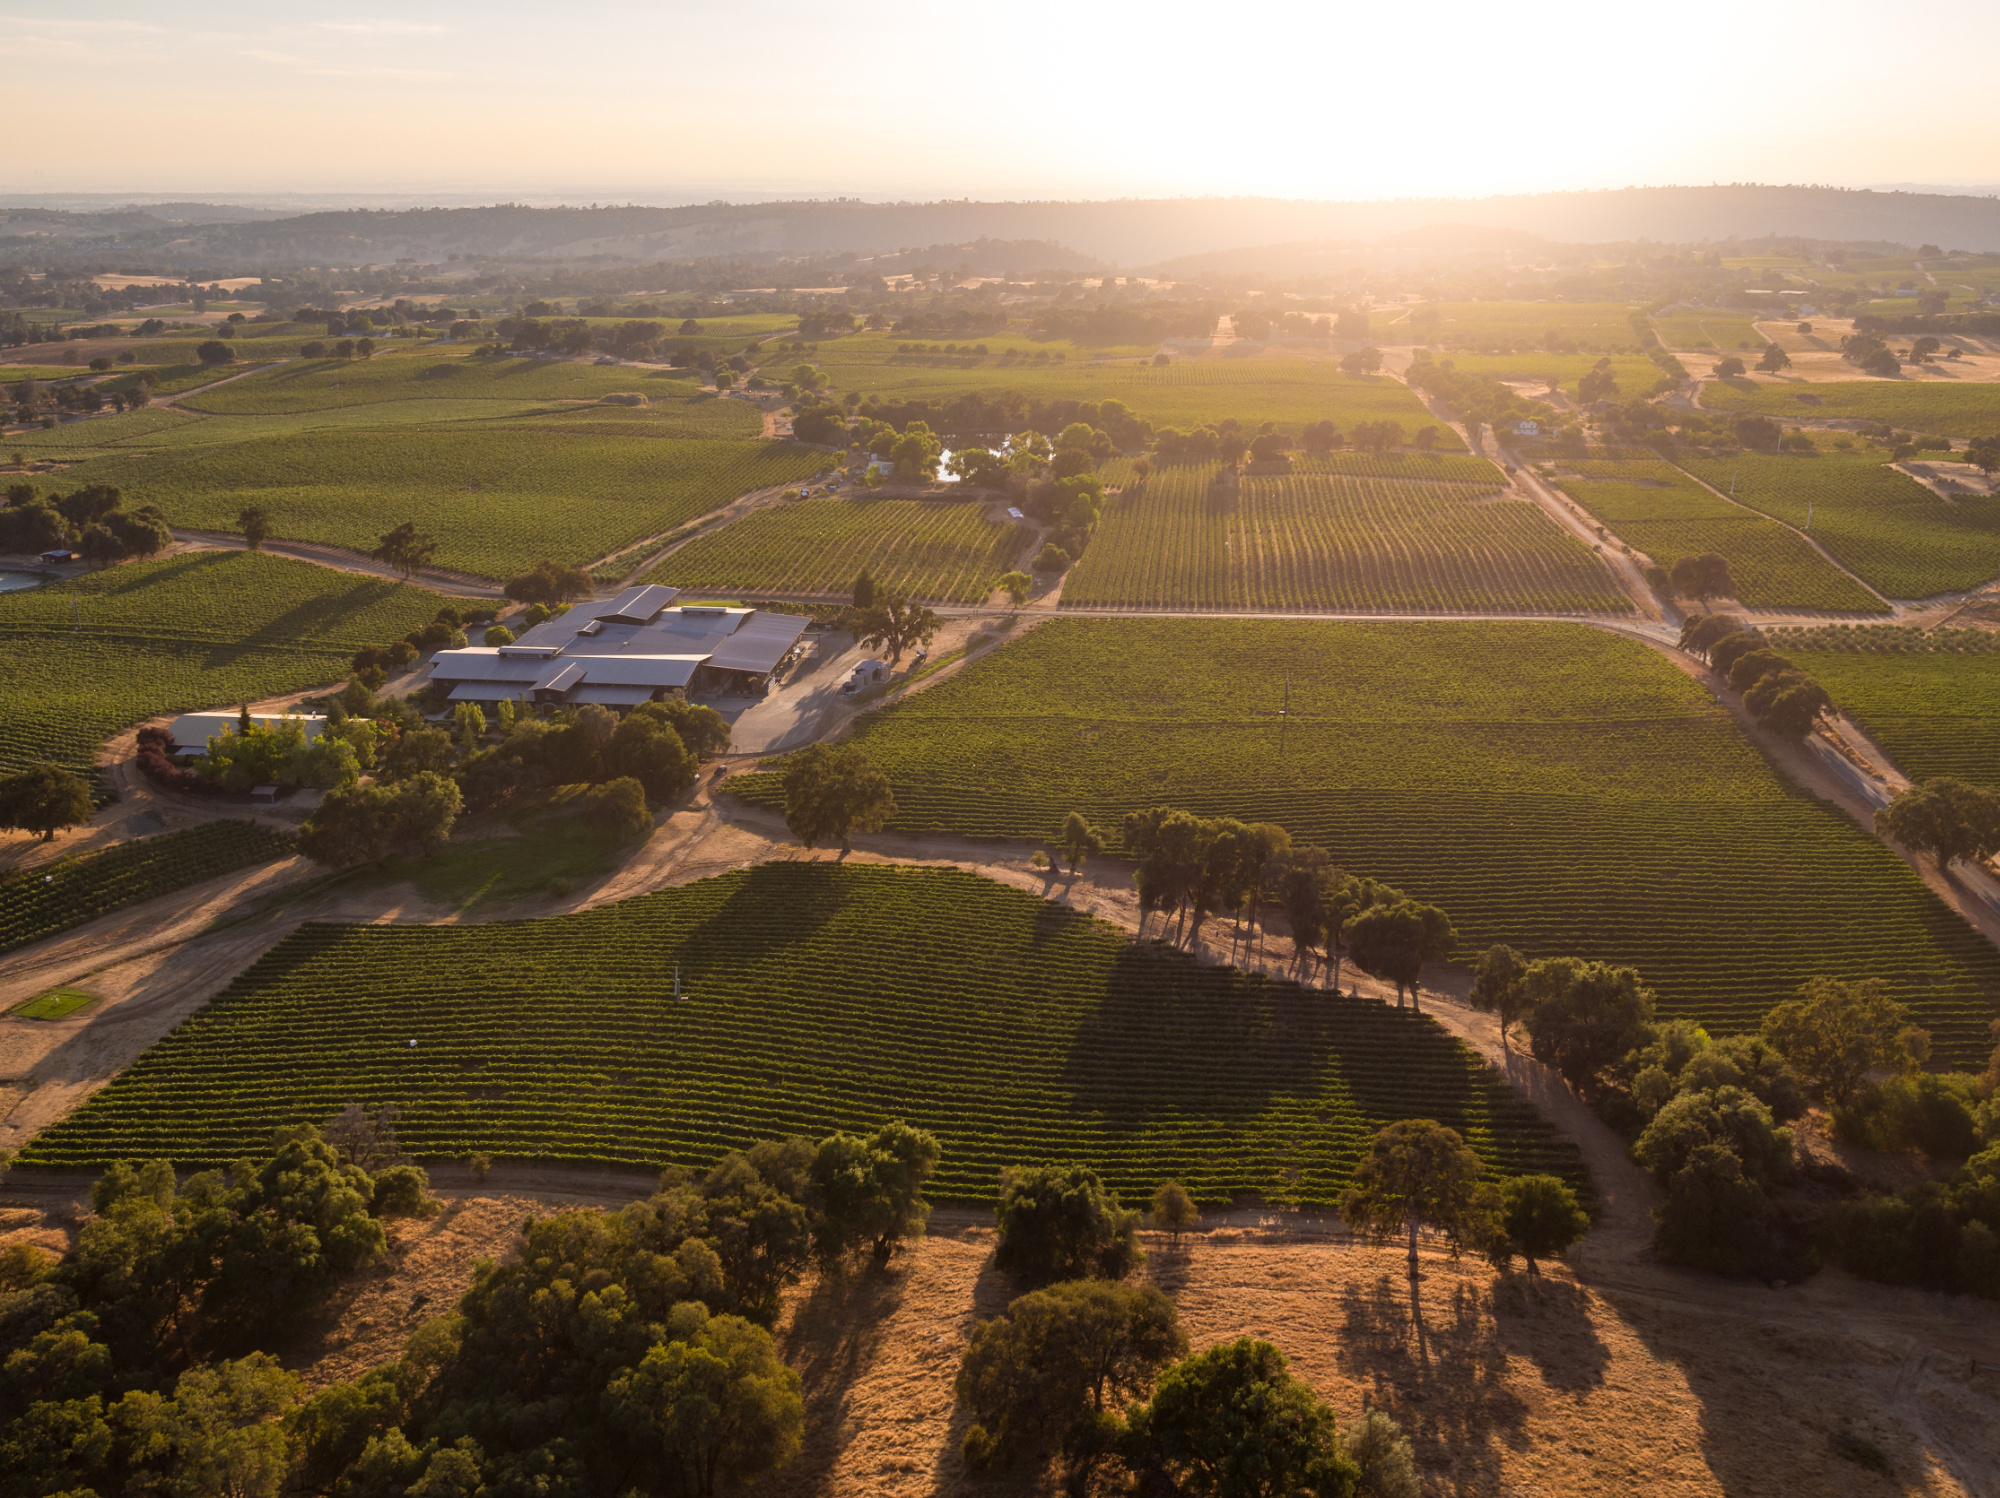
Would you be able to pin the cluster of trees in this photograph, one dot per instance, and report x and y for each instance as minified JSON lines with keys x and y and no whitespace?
{"x":424,"y":777}
{"x":33,"y":400}
{"x":136,"y":1363}
{"x":343,"y":348}
{"x":1870,"y":354}
{"x":1708,"y":1118}
{"x":1190,"y":868}
{"x":1478,"y":400}
{"x":982,"y":413}
{"x":1780,"y":696}
{"x":625,"y":1352}
{"x":92,"y":520}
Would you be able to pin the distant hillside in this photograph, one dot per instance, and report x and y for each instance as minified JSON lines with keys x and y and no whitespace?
{"x":1131,"y":234}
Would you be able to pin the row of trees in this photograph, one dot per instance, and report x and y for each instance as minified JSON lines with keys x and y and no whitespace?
{"x":1780,"y":696}
{"x":1190,"y":868}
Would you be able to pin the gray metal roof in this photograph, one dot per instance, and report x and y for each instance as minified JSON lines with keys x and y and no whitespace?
{"x":633,"y":641}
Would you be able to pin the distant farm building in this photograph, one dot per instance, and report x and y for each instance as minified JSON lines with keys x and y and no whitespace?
{"x":631,"y":649}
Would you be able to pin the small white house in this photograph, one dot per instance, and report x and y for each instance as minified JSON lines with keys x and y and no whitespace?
{"x":1527,"y":429}
{"x":869,"y":672}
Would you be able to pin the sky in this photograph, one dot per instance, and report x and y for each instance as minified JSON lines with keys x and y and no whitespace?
{"x":672,"y":101}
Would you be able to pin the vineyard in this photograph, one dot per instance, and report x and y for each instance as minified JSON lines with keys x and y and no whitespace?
{"x":1933,"y":703}
{"x":1599,"y":327}
{"x":1694,"y":328}
{"x":1883,"y":526}
{"x":90,"y":657}
{"x":1661,"y":511}
{"x":1324,"y":541}
{"x":52,"y":897}
{"x":1947,"y":407}
{"x":1186,"y":393}
{"x":432,"y":374}
{"x":947,"y":552}
{"x":815,"y":997}
{"x":1555,"y":786}
{"x":497,"y":498}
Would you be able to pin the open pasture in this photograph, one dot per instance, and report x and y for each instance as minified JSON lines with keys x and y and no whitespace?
{"x":815,"y":997}
{"x":1664,"y":513}
{"x":1328,"y":541}
{"x":497,"y":498}
{"x":436,"y":374}
{"x":1187,"y":393}
{"x":1944,"y":405}
{"x":48,"y":898}
{"x":1934,"y":708}
{"x":940,"y":551}
{"x":89,"y":658}
{"x":1554,"y":786}
{"x":1890,"y":531}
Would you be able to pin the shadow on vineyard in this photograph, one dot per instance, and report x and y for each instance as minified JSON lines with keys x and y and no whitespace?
{"x":813,"y":997}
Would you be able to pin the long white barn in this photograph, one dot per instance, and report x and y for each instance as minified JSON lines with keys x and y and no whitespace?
{"x":637,"y":647}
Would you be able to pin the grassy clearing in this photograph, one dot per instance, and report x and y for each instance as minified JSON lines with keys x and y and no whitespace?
{"x":921,"y":548}
{"x":57,"y":1003}
{"x":91,"y":657}
{"x":1935,"y":712}
{"x":1329,"y":541}
{"x":1883,"y":526}
{"x":1664,"y":513}
{"x":52,"y":897}
{"x":814,"y":997}
{"x":1947,"y":408}
{"x":1554,"y":786}
{"x":496,"y":498}
{"x":434,"y":374}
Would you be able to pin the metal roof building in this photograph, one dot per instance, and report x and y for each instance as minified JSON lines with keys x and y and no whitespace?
{"x":623,"y":651}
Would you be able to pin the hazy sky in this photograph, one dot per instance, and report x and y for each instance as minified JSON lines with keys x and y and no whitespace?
{"x":608,"y":100}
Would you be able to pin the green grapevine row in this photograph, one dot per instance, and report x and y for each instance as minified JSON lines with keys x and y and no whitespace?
{"x":814,"y":997}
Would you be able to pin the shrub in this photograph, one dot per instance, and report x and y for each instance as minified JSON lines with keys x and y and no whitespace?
{"x":404,"y":1191}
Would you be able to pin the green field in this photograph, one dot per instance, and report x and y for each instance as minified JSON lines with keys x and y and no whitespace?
{"x":51,"y":897}
{"x":815,"y":997}
{"x":57,"y":1003}
{"x":1883,"y":526}
{"x":435,"y":374}
{"x":1321,"y":541}
{"x":1636,"y":375}
{"x":1556,"y":786}
{"x":91,"y":657}
{"x":1185,"y":394}
{"x":920,"y":548}
{"x":1945,"y":407}
{"x":1662,"y":512}
{"x":1598,"y":326}
{"x":497,"y":497}
{"x":1698,"y":328}
{"x":1936,"y":711}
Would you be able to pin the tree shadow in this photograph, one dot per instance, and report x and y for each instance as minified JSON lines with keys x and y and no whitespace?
{"x":992,"y":1292}
{"x":834,"y":1337}
{"x":1449,"y":1391}
{"x":1547,"y":1321}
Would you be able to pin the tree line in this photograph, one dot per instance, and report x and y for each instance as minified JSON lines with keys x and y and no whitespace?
{"x":92,"y":521}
